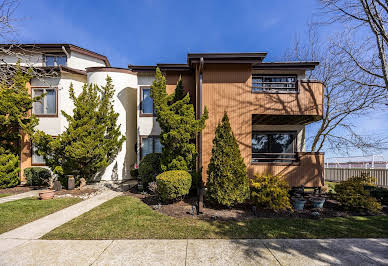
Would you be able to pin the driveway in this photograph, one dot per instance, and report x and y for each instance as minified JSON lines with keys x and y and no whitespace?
{"x":196,"y":252}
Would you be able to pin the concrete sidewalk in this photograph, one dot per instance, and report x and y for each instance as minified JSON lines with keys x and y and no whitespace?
{"x":198,"y":252}
{"x":32,"y":193}
{"x":40,"y":227}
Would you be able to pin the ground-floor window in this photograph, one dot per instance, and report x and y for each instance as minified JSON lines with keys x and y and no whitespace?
{"x":150,"y":144}
{"x":274,"y":146}
{"x":36,"y":159}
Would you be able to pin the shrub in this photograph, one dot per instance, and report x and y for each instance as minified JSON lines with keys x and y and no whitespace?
{"x":134,"y":172}
{"x":173,"y":184}
{"x":353,"y":195}
{"x":227,"y":174}
{"x":380,"y":193}
{"x":9,"y":170}
{"x":270,"y":192}
{"x":37,"y":176}
{"x":149,"y":168}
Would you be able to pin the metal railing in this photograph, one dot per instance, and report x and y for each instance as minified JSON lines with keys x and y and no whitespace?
{"x":274,"y":157}
{"x":342,"y":174}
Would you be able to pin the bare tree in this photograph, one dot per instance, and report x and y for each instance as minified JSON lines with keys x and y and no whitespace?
{"x":366,"y":21}
{"x":349,"y":94}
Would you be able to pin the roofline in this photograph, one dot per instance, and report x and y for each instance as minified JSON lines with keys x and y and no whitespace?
{"x":70,"y":46}
{"x":303,"y":65}
{"x":250,"y":58}
{"x":109,"y":69}
{"x":163,"y":67}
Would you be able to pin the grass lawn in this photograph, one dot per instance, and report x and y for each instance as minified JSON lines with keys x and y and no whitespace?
{"x":128,"y":218}
{"x":4,"y":195}
{"x":19,"y":212}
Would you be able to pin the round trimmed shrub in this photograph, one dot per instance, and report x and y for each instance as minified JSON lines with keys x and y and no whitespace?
{"x":270,"y":192}
{"x":9,"y":170}
{"x":173,"y":184}
{"x":37,"y":176}
{"x":149,"y":168}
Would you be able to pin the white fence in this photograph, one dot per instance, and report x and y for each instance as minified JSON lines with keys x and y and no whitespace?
{"x":342,"y":174}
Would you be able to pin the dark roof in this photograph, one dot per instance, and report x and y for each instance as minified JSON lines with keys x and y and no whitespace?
{"x":56,"y":47}
{"x":303,"y":65}
{"x":226,"y":57}
{"x":163,"y":67}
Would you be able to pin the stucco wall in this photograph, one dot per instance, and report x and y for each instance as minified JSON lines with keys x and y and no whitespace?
{"x":25,"y":60}
{"x":125,"y":85}
{"x":81,"y":61}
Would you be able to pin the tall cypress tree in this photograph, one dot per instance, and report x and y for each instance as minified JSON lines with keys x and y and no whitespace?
{"x":92,"y":139}
{"x":227,"y":174}
{"x":176,"y":117}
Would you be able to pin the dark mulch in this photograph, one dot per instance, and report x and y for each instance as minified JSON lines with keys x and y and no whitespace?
{"x":16,"y":190}
{"x":240,"y":212}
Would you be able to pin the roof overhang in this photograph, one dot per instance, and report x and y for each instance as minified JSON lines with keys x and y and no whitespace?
{"x":162,"y":67}
{"x":228,"y":58}
{"x":286,"y":65}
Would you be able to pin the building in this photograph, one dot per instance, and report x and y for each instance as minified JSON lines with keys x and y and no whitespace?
{"x":269,"y":105}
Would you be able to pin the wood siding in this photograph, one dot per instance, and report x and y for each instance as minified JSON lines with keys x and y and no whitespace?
{"x":227,"y":88}
{"x":188,"y":83}
{"x":25,"y":149}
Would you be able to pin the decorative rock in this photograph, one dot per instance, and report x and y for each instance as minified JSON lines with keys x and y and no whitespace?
{"x":70,"y":182}
{"x":57,"y":186}
{"x":213,"y":217}
{"x":315,"y":214}
{"x":82,"y":183}
{"x":46,"y":194}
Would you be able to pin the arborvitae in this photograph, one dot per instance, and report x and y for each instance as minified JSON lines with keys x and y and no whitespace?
{"x":227,"y":174}
{"x":176,"y":117}
{"x":92,"y":139}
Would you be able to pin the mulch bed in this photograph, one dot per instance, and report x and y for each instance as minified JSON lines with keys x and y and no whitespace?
{"x":16,"y":190}
{"x":240,"y":212}
{"x":76,"y":192}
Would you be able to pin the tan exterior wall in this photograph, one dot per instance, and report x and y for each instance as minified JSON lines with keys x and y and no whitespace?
{"x":25,"y":152}
{"x":227,"y":88}
{"x":188,"y":83}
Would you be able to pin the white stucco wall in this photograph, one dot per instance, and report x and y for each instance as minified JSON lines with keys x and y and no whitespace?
{"x":300,"y":129}
{"x":81,"y":61}
{"x":125,"y":85}
{"x":25,"y":60}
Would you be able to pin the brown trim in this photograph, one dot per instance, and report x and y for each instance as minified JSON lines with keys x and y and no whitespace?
{"x":141,"y":114}
{"x":67,"y":69}
{"x":285,"y":65}
{"x":89,"y":53}
{"x":57,"y":98}
{"x":109,"y":69}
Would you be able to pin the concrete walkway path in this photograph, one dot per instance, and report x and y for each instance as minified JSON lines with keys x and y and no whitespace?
{"x":199,"y":252}
{"x":40,"y":227}
{"x":32,"y":193}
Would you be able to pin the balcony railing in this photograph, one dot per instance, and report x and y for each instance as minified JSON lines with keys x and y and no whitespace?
{"x":274,"y":157}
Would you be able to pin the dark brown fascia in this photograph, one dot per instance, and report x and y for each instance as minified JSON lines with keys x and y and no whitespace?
{"x":56,"y":48}
{"x":229,"y":58}
{"x":109,"y":69}
{"x":162,"y":67}
{"x":285,"y":65}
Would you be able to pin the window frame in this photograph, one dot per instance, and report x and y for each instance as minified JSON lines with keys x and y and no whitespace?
{"x":45,"y":88}
{"x":141,"y":143}
{"x":141,"y":114}
{"x":55,"y":59}
{"x":279,"y":90}
{"x":293,"y":156}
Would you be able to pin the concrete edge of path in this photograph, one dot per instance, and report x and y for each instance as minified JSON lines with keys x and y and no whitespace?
{"x":28,"y":194}
{"x":42,"y":226}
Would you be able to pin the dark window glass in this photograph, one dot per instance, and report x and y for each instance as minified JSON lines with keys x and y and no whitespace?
{"x":55,"y":60}
{"x":61,"y":60}
{"x":150,"y":145}
{"x":50,"y":60}
{"x":261,"y":83}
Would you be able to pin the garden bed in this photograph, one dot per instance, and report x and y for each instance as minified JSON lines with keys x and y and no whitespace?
{"x":16,"y":190}
{"x":79,"y":193}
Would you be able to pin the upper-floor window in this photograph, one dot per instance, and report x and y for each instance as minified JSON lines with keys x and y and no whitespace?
{"x":274,"y":83}
{"x":48,"y":104}
{"x":55,"y":60}
{"x":147,"y":104}
{"x":276,"y":146}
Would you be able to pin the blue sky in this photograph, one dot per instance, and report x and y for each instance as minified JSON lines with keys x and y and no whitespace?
{"x":150,"y":31}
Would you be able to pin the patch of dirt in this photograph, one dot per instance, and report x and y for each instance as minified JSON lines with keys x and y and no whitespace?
{"x":80,"y":193}
{"x":16,"y":190}
{"x":240,"y":212}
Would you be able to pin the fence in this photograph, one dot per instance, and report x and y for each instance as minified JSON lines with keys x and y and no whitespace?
{"x":341,"y":174}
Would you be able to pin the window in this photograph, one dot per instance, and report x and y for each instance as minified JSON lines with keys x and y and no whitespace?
{"x":274,"y":146}
{"x":274,"y":83}
{"x":147,"y":104}
{"x":149,"y":145}
{"x":36,"y":158}
{"x":55,"y":60}
{"x":48,"y":104}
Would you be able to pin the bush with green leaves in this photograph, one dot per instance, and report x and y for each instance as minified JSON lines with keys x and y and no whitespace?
{"x":270,"y":192}
{"x":227,"y":174}
{"x":149,"y":168}
{"x":352,"y":194}
{"x":380,"y":193}
{"x":172,"y":185}
{"x":9,"y":170}
{"x":134,"y":172}
{"x":37,"y":176}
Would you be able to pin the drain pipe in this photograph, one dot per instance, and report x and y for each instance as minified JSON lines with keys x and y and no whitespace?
{"x":200,"y":190}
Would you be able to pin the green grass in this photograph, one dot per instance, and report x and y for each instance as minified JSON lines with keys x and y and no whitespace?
{"x":4,"y":195}
{"x":19,"y":212}
{"x":128,"y":218}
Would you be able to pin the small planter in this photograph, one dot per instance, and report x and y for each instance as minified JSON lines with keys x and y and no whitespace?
{"x":298,"y":203}
{"x":46,"y":194}
{"x":317,"y":202}
{"x":70,"y":182}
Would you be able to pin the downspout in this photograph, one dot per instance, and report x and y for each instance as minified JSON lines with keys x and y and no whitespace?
{"x":64,"y":50}
{"x":200,"y":190}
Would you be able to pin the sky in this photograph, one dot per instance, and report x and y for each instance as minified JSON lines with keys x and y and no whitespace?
{"x":164,"y":31}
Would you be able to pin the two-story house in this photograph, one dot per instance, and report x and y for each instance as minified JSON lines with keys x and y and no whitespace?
{"x":268,"y":104}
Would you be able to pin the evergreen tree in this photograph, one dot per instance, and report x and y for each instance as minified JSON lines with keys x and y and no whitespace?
{"x":176,"y":117}
{"x":92,"y":139}
{"x":227,"y":174}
